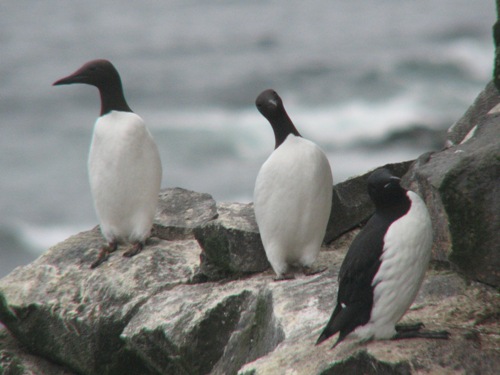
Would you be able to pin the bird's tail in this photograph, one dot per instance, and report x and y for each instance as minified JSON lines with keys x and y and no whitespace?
{"x":327,"y":334}
{"x":332,"y":327}
{"x":324,"y":336}
{"x":340,"y":321}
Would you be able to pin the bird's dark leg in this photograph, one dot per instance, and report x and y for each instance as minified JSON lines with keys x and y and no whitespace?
{"x":413,"y":331}
{"x":284,"y":276}
{"x":134,"y":250}
{"x":104,"y":253}
{"x":311,"y":271}
{"x":444,"y":335}
{"x":409,"y":327}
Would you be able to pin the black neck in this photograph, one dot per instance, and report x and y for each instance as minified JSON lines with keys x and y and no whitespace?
{"x":112,"y":99}
{"x":395,"y":209}
{"x":282,"y":128}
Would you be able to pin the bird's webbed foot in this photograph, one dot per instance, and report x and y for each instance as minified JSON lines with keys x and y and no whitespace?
{"x":104,"y":254}
{"x":311,"y":271}
{"x":284,"y":276}
{"x":134,"y":250}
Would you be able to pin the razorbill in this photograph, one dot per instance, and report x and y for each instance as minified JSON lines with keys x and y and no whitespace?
{"x":293,"y":194}
{"x":124,"y":163}
{"x":384,"y":267}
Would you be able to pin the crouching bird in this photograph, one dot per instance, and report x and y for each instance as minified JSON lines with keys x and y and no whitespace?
{"x":293,"y":194}
{"x":384,"y":267}
{"x":124,"y":164}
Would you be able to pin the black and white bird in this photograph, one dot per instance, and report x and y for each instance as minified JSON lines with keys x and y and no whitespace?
{"x":124,"y":163}
{"x":293,"y":194}
{"x":384,"y":267}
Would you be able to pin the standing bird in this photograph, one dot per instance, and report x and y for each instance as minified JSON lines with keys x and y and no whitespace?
{"x":293,"y":194}
{"x":124,"y":163}
{"x":384,"y":267}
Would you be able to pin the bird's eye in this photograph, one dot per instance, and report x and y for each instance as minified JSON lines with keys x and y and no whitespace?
{"x":394,"y":181}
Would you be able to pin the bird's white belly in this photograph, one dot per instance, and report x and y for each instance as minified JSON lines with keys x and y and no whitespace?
{"x":292,"y":201}
{"x":406,"y":254}
{"x":125,"y":177}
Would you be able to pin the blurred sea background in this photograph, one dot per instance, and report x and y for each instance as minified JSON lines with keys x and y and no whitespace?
{"x":371,"y":82}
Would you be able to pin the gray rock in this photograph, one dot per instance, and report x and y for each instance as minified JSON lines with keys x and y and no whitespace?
{"x":207,"y":328}
{"x":351,"y":205}
{"x":15,"y":361}
{"x":364,"y":363}
{"x":485,"y":101}
{"x":180,"y":211}
{"x":445,"y":302}
{"x":461,"y":186}
{"x":143,"y":316}
{"x":63,"y":311}
{"x":231,"y":243}
{"x":496,"y":39}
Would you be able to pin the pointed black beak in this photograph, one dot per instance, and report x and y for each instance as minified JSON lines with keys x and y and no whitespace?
{"x":73,"y":78}
{"x":79,"y":76}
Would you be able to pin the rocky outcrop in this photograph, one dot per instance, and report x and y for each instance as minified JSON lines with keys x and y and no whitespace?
{"x":15,"y":360}
{"x":180,"y":211}
{"x":58,"y":308}
{"x":148,"y":315}
{"x":496,"y":39}
{"x":465,"y":126}
{"x":143,"y":316}
{"x":461,"y":187}
{"x":231,"y":243}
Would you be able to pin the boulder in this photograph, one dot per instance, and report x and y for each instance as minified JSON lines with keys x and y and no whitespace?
{"x":461,"y":187}
{"x":445,"y":301}
{"x":143,"y":315}
{"x":14,"y":360}
{"x":67,"y":313}
{"x":496,"y":40}
{"x":485,"y":101}
{"x":207,"y":328}
{"x":231,"y":243}
{"x":180,"y":211}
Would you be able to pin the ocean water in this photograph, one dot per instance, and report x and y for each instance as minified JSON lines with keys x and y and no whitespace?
{"x":350,"y":74}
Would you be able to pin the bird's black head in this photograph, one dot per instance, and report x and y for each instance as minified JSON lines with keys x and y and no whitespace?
{"x":385,"y":190}
{"x":269,"y":104}
{"x":271,"y":107}
{"x":103,"y":75}
{"x":99,"y":73}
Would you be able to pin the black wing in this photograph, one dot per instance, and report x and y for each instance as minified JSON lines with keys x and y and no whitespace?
{"x":355,"y":295}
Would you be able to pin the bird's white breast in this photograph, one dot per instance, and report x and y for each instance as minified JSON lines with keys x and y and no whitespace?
{"x":125,"y":175}
{"x":405,"y":257}
{"x":292,"y":199}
